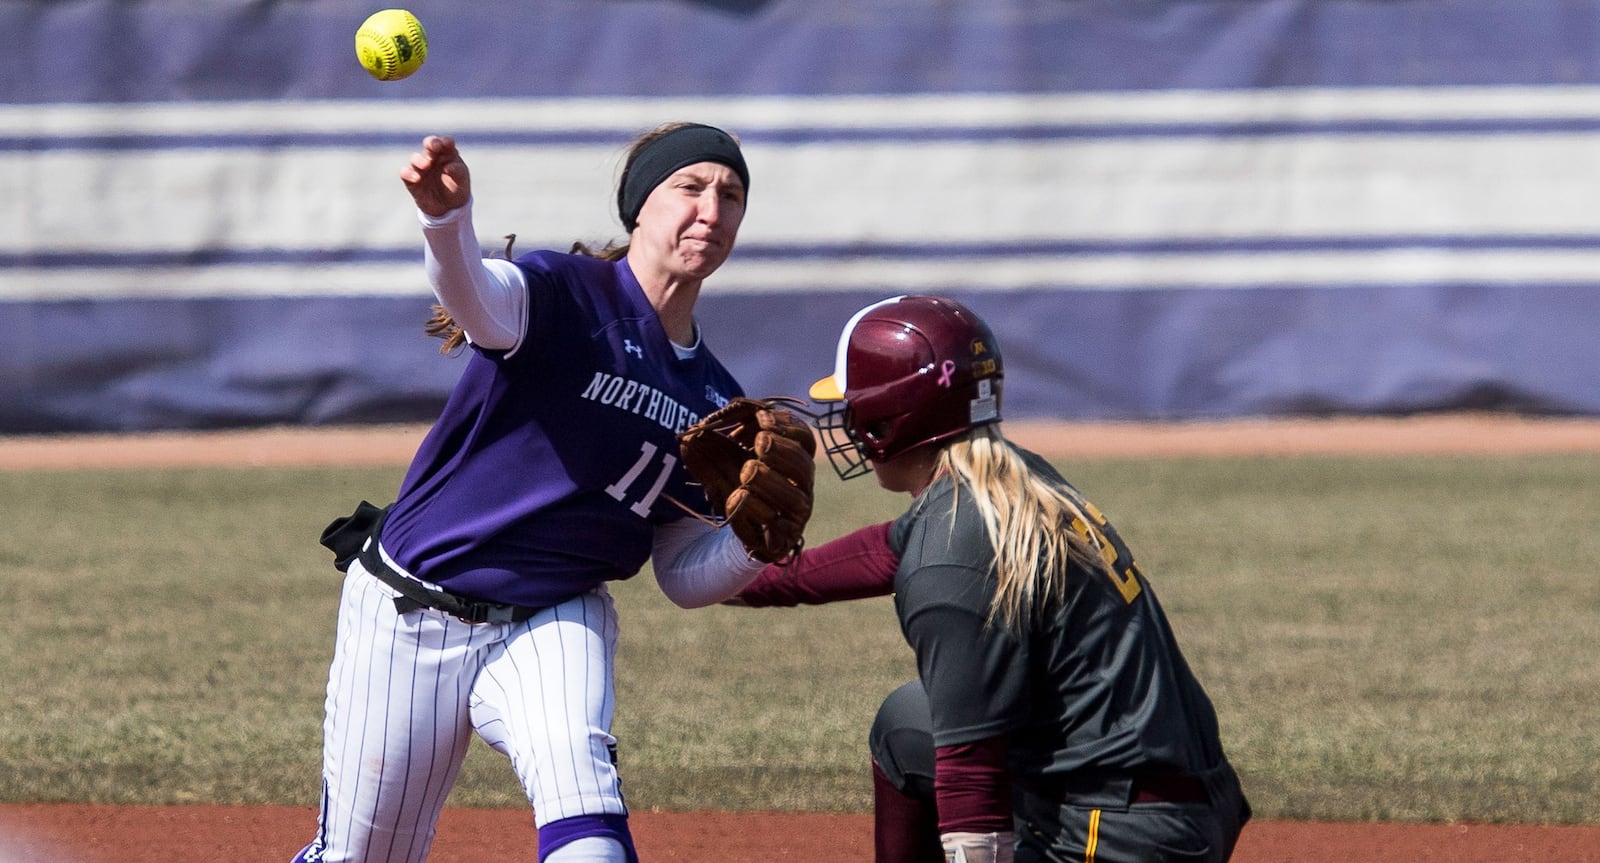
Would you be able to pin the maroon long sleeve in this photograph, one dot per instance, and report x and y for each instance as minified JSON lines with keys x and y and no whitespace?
{"x":973,"y":787}
{"x":854,"y":566}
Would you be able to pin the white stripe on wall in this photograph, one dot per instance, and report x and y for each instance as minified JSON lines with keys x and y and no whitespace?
{"x":875,"y":190}
{"x":1309,"y":186}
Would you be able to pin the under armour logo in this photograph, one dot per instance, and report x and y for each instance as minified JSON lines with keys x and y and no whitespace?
{"x":630,"y":347}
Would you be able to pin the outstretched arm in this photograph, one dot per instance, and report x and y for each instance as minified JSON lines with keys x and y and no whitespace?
{"x":854,"y":566}
{"x":487,"y":299}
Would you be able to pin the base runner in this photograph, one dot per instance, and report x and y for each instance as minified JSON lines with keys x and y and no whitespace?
{"x":1054,"y":717}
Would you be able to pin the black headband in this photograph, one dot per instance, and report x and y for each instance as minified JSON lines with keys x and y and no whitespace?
{"x":676,"y":149}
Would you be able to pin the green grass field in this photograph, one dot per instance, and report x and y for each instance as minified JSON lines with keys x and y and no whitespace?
{"x":1385,"y":638}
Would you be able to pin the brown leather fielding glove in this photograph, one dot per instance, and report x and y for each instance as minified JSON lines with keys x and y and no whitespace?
{"x":756,"y":462}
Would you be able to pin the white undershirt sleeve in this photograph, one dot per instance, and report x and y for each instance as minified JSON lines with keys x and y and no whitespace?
{"x":488,"y":298}
{"x":698,"y":565}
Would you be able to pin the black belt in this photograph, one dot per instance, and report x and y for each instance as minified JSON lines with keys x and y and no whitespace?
{"x":357,"y":536}
{"x":416,"y":594}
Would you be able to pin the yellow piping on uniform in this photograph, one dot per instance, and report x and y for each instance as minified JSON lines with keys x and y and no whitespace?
{"x":1094,"y":836}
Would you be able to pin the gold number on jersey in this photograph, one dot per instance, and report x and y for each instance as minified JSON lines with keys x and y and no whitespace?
{"x":1120,"y":568}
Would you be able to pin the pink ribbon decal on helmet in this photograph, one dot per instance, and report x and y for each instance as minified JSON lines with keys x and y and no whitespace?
{"x":946,"y":369}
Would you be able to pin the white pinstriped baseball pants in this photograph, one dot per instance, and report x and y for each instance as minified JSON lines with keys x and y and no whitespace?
{"x":405,"y":691}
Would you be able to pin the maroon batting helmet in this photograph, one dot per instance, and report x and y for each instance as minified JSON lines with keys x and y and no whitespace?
{"x":910,"y":370}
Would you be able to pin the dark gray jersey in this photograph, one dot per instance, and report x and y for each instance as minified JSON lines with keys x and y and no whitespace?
{"x":1097,"y":683}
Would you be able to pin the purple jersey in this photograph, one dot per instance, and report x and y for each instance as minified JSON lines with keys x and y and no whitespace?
{"x":550,"y":464}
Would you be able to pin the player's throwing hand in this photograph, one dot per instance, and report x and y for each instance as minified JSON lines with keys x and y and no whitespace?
{"x":437,"y":177}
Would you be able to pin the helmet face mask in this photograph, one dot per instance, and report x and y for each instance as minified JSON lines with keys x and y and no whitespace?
{"x":911,"y":370}
{"x":847,"y":454}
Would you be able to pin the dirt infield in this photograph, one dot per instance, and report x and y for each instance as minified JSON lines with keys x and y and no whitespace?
{"x":146,"y":834}
{"x":268,"y":834}
{"x":394,"y":444}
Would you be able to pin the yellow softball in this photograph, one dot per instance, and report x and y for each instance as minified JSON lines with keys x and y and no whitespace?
{"x":391,"y":44}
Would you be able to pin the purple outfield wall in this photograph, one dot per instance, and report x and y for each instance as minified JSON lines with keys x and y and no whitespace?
{"x":1165,"y":210}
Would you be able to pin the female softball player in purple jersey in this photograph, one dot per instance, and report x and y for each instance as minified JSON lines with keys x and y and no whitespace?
{"x":1054,"y":717}
{"x":477,"y":601}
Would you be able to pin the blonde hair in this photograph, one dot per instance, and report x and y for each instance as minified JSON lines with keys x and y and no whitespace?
{"x":1036,"y":523}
